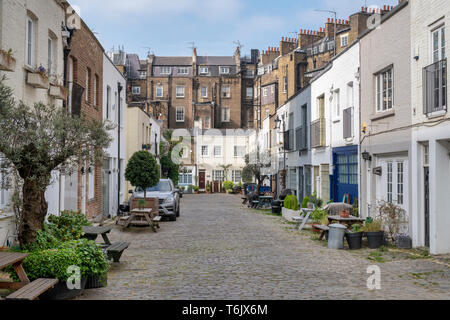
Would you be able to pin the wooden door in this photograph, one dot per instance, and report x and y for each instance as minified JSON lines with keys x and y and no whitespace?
{"x":202,"y":180}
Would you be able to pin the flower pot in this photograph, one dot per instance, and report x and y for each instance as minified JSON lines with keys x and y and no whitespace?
{"x":403,"y":242}
{"x":375,"y":239}
{"x":354,"y":240}
{"x":7,"y":62}
{"x":345,"y":214}
{"x":94,"y":282}
{"x":61,"y":292}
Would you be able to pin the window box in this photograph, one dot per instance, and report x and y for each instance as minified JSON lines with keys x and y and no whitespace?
{"x":58,"y":92}
{"x":7,"y":62}
{"x":38,"y":80}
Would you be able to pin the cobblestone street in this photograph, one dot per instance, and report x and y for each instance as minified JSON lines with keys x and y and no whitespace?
{"x":219,"y":250}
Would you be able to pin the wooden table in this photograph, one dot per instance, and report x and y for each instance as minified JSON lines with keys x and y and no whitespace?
{"x":141,"y":217}
{"x":92,"y":233}
{"x":263,"y":200}
{"x":349,"y":222}
{"x":14,"y":259}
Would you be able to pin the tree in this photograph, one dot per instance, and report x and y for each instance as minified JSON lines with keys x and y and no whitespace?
{"x":167,"y":165}
{"x":37,"y":140}
{"x":143,"y":171}
{"x":258,"y":167}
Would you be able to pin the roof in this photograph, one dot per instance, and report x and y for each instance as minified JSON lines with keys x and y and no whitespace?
{"x":216,"y":61}
{"x":187,"y":61}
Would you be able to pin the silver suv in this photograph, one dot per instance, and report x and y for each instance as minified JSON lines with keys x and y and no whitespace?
{"x":169,"y":198}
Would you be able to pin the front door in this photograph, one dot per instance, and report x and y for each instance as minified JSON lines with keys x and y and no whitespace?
{"x":202,"y":180}
{"x":345,"y":175}
{"x":427,"y":205}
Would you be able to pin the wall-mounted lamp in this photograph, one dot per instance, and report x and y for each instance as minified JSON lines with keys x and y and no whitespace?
{"x":366,"y":156}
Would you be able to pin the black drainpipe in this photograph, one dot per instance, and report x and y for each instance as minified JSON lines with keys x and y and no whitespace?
{"x":119,"y":88}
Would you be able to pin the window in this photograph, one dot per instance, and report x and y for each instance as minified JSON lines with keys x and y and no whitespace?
{"x":400,"y":183}
{"x":166,"y":70}
{"x":185,"y":152}
{"x":51,"y":56}
{"x":438,"y":44}
{"x":204,"y":92}
{"x":207,"y":123}
{"x":204,"y":70}
{"x":265,"y":91}
{"x":108,"y":101}
{"x":31,"y":41}
{"x":180,"y":114}
{"x":236,"y":176}
{"x":226,"y":92}
{"x":250,"y":73}
{"x":225,"y":114}
{"x":350,"y":96}
{"x":95,"y":90}
{"x":217,"y":151}
{"x":182,"y":71}
{"x":224,"y":70}
{"x":205,"y":151}
{"x":291,"y":132}
{"x":385,"y":90}
{"x":91,"y":177}
{"x":389,"y":181}
{"x":88,"y":81}
{"x":239,"y":151}
{"x":136,"y":90}
{"x":344,"y":40}
{"x":285,"y":84}
{"x":180,"y":91}
{"x":185,"y":177}
{"x":249,"y":92}
{"x":159,"y":91}
{"x":218,"y":175}
{"x":143,"y":74}
{"x":426,"y":155}
{"x":267,"y":113}
{"x":337,"y":103}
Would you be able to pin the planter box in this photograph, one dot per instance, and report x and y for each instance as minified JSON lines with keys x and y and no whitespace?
{"x":7,"y":63}
{"x":58,"y":92}
{"x":94,"y":282}
{"x":37,"y":80}
{"x":61,"y":292}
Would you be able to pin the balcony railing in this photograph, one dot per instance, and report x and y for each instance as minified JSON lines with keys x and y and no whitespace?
{"x":302,"y":138}
{"x":318,"y":133}
{"x":435,"y":87}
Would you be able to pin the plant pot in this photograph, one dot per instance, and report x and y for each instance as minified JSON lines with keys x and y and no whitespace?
{"x":375,"y":239}
{"x":94,"y":282}
{"x":403,"y":242}
{"x":310,"y":205}
{"x":61,"y":292}
{"x":7,"y":62}
{"x":354,"y":240}
{"x":345,"y":214}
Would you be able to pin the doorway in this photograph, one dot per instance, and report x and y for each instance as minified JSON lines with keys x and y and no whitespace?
{"x":427,"y":205}
{"x":202,"y":180}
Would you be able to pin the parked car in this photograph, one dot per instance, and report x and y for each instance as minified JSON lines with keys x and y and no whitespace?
{"x":168,"y":195}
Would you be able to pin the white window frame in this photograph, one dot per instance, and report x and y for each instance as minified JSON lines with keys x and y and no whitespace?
{"x":441,"y":49}
{"x":136,"y":90}
{"x":224,"y":70}
{"x":205,"y":151}
{"x":31,"y":43}
{"x":204,"y":70}
{"x":249,"y":92}
{"x":337,"y":103}
{"x":180,"y":112}
{"x":51,"y":55}
{"x":91,"y":181}
{"x":217,"y":154}
{"x":88,"y":81}
{"x":265,"y":91}
{"x":182,"y":71}
{"x":165,"y":70}
{"x":226,"y":92}
{"x":204,"y":94}
{"x":234,"y":176}
{"x":344,"y":40}
{"x":383,"y":92}
{"x":239,"y":151}
{"x":160,"y":88}
{"x":226,"y":115}
{"x":180,"y":91}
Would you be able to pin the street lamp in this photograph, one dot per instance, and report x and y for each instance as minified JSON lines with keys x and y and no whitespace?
{"x":278,"y":126}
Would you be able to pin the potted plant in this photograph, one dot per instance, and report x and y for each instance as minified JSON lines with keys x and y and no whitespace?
{"x":345,"y":214}
{"x":393,"y":218}
{"x":208,"y":188}
{"x":7,"y":61}
{"x":318,"y":216}
{"x":374,"y":233}
{"x":141,"y":203}
{"x":228,"y":186}
{"x":196,"y":189}
{"x":354,"y":237}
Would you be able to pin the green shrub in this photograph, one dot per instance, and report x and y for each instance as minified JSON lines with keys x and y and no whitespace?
{"x":318,"y":215}
{"x":287,"y":202}
{"x":196,"y":189}
{"x":68,"y":226}
{"x":52,"y":263}
{"x":45,"y":239}
{"x":228,"y":185}
{"x":294,"y":203}
{"x":94,"y":262}
{"x":305,"y":202}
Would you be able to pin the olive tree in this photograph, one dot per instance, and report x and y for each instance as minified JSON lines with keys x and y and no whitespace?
{"x":143,"y":171}
{"x":35,"y":141}
{"x":258,"y":167}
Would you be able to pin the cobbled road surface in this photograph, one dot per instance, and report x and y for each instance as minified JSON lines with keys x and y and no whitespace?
{"x":219,"y":250}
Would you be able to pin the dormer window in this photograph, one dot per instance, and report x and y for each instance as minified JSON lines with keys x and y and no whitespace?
{"x":344,"y":40}
{"x":224,"y":70}
{"x":204,"y":70}
{"x":166,"y":70}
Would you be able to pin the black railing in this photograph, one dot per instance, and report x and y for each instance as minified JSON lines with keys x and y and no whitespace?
{"x":301,"y":134}
{"x":435,"y":87}
{"x":318,"y":133}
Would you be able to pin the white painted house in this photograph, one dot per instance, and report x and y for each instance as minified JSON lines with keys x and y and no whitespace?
{"x":114,"y":110}
{"x":430,"y":147}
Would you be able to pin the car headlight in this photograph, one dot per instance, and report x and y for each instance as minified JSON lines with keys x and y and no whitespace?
{"x":168,"y":200}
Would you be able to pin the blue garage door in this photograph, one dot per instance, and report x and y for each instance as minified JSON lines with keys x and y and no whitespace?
{"x":345,"y":180}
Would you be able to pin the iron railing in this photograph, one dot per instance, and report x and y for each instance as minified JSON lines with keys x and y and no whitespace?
{"x":435,"y":87}
{"x":318,"y":133}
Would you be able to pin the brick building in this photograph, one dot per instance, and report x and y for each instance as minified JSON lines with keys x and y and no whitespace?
{"x":85,"y":83}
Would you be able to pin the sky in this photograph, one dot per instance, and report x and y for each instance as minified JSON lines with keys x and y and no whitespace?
{"x":168,"y":27}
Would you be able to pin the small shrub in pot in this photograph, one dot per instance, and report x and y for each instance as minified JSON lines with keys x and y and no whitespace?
{"x":374,"y":232}
{"x":354,"y":237}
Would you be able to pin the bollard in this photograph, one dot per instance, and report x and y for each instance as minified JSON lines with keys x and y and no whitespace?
{"x":336,"y":236}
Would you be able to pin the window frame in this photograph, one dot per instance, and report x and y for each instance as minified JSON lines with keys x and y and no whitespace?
{"x":51,"y":55}
{"x":226,"y":114}
{"x":228,"y":70}
{"x":204,"y":70}
{"x":344,"y":43}
{"x":178,"y":87}
{"x":88,"y":84}
{"x":184,"y":69}
{"x":161,"y":87}
{"x":204,"y":96}
{"x":203,"y":149}
{"x":382,"y":92}
{"x":226,"y":94}
{"x":178,"y":112}
{"x":30,"y":59}
{"x":165,"y":70}
{"x":135,"y":92}
{"x":216,"y":155}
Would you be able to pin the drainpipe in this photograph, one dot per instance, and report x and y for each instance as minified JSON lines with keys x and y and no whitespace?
{"x":119,"y":88}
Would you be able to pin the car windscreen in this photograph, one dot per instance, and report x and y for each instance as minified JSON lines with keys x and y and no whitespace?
{"x":162,"y":186}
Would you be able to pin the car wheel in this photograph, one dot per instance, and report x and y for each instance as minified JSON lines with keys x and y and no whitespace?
{"x":173,"y":217}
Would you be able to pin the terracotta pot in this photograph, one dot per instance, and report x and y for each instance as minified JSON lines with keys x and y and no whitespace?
{"x":345,"y":214}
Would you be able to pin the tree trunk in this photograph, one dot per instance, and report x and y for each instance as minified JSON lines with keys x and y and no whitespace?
{"x":258,"y":187}
{"x":34,"y":212}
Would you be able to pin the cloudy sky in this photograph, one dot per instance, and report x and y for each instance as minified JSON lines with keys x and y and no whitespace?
{"x":169,"y":27}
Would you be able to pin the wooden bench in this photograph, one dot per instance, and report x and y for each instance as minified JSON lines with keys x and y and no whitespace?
{"x":115,"y":250}
{"x":324,"y":229}
{"x":33,"y":290}
{"x":156,"y":220}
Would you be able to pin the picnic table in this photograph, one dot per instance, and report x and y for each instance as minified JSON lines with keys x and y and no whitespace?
{"x":14,"y":259}
{"x":348,"y":222}
{"x":92,"y":233}
{"x":143,"y":217}
{"x":264,"y":201}
{"x":303,"y":218}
